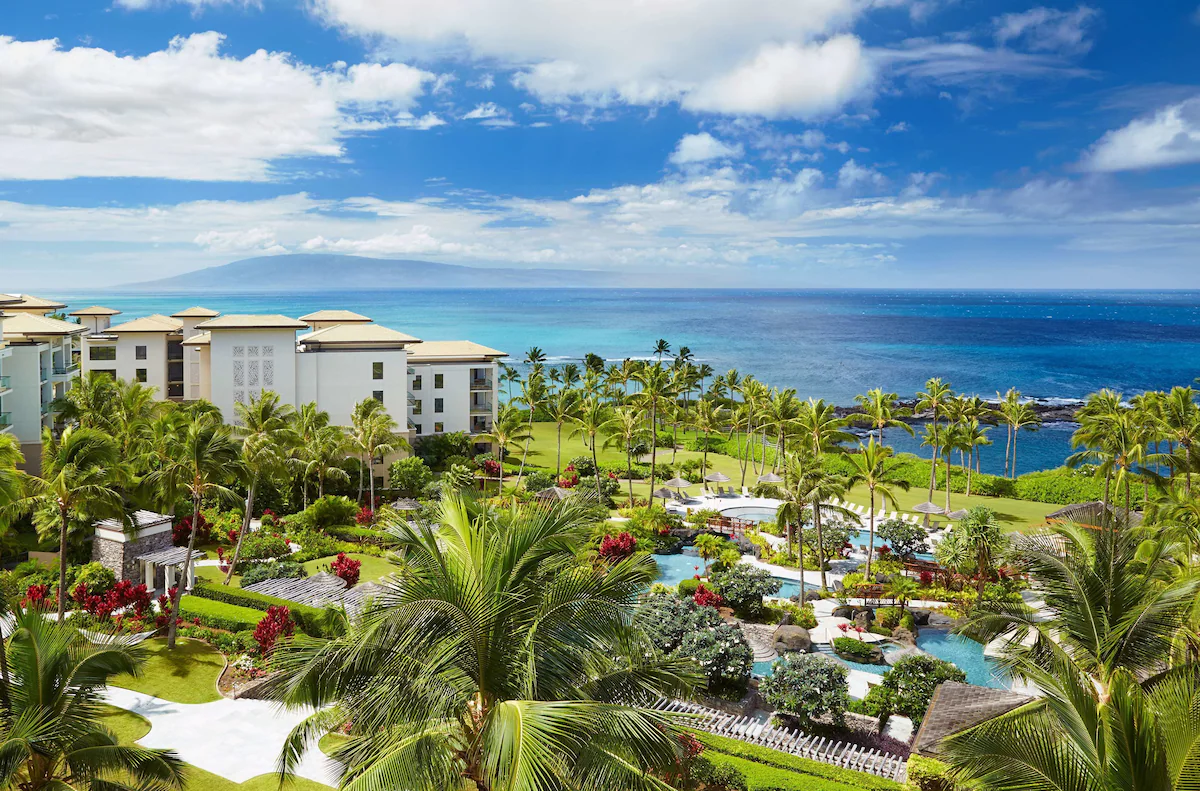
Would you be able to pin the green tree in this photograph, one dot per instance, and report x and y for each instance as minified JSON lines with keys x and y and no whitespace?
{"x":494,"y":661}
{"x":563,"y":407}
{"x":594,"y":420}
{"x":323,"y":458}
{"x":200,"y":460}
{"x":810,"y":687}
{"x":881,"y":410}
{"x":410,"y":475}
{"x":81,"y":480}
{"x":874,"y":466}
{"x":655,"y":390}
{"x":709,"y":546}
{"x":266,"y":427}
{"x":310,"y":419}
{"x":51,"y":738}
{"x":974,"y":546}
{"x":707,"y":418}
{"x":626,"y":431}
{"x":508,"y":432}
{"x":934,"y":399}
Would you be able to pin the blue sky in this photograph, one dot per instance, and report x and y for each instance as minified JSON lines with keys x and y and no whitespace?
{"x":950,"y":143}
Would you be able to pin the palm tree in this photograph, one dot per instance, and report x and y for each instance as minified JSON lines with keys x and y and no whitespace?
{"x":89,"y":402}
{"x":973,"y":436}
{"x":934,"y":399}
{"x":1120,"y":453}
{"x":323,"y":458}
{"x":51,"y":737}
{"x":782,"y":414}
{"x":873,"y":465}
{"x":533,"y":395}
{"x":902,"y":589}
{"x":1181,"y":421}
{"x":661,"y":347}
{"x":655,"y":389}
{"x":382,"y":440}
{"x":81,"y":480}
{"x":790,"y":514}
{"x":820,"y":428}
{"x":1020,"y":416}
{"x":508,"y":431}
{"x":563,"y":407}
{"x":880,"y":411}
{"x":594,"y":420}
{"x":817,"y":487}
{"x":265,"y":426}
{"x":974,"y":545}
{"x":199,"y":460}
{"x":707,"y":418}
{"x":626,"y":430}
{"x":310,"y":419}
{"x":361,"y":429}
{"x":709,"y":546}
{"x":493,"y":660}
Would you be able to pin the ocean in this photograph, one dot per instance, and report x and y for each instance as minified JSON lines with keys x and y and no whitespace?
{"x":830,"y":344}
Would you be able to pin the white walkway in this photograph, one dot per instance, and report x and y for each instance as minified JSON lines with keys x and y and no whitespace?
{"x":236,"y":739}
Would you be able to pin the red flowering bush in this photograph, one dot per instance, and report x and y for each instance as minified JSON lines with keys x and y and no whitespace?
{"x":491,"y":468}
{"x":346,"y":568}
{"x":164,"y":609}
{"x":103,"y":605}
{"x":181,"y":531}
{"x":276,"y":624}
{"x":885,"y":550}
{"x":569,"y":481}
{"x":926,"y":579}
{"x":617,"y":549}
{"x":706,"y":597}
{"x":36,"y":597}
{"x":365,"y":516}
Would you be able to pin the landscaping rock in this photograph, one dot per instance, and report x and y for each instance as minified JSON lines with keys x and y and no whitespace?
{"x":874,"y":658}
{"x":843,"y":611}
{"x":863,"y":618}
{"x":810,"y":596}
{"x":920,"y":617}
{"x":792,"y":638}
{"x":938,"y":620}
{"x":904,"y":636}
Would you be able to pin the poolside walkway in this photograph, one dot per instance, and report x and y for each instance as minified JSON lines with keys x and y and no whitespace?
{"x":236,"y":739}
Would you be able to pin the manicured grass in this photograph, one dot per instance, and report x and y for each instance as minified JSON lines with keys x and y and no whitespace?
{"x":330,"y":741}
{"x":188,"y":674}
{"x":372,"y":568}
{"x":1012,"y":514}
{"x":214,"y":574}
{"x":767,"y":768}
{"x":218,"y":614}
{"x":127,"y":726}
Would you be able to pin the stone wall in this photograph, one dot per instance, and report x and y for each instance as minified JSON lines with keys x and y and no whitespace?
{"x":121,"y":557}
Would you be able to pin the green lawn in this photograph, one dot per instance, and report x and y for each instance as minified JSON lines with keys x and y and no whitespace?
{"x":373,"y":568}
{"x":127,"y":726}
{"x":187,"y":674}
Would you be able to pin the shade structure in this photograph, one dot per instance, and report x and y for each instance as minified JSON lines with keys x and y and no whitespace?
{"x":678,"y":483}
{"x":928,"y":508}
{"x":959,"y":514}
{"x":664,"y":493}
{"x":717,"y":477}
{"x":553,"y":493}
{"x":770,"y":477}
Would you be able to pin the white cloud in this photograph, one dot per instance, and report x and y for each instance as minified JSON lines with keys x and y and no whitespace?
{"x":702,"y":148}
{"x":794,"y":57}
{"x":1169,"y":137}
{"x":899,"y":126}
{"x":185,"y":112}
{"x":1048,"y":30}
{"x":250,"y":240}
{"x":490,"y":114}
{"x":853,"y":175}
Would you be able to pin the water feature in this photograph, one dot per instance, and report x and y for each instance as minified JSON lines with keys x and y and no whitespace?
{"x":758,"y":513}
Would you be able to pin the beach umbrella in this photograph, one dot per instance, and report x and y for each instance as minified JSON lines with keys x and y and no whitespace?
{"x":959,"y":514}
{"x":678,"y":483}
{"x":770,"y":477}
{"x":664,"y":493}
{"x":717,"y":477}
{"x":928,"y":508}
{"x":554,"y":493}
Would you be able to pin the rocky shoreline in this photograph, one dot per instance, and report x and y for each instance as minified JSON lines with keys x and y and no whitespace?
{"x":1050,"y":411}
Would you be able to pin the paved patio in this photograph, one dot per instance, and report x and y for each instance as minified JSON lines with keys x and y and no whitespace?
{"x":236,"y":739}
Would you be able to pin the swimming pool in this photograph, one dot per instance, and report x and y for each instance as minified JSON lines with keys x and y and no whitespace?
{"x":756,"y":513}
{"x":674,"y":568}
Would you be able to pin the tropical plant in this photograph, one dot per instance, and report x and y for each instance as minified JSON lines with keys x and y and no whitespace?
{"x":874,"y":466}
{"x":934,"y":399}
{"x":655,"y":390}
{"x":626,"y":431}
{"x":743,"y":586}
{"x":881,"y":410}
{"x":709,"y":546}
{"x":509,"y":430}
{"x":323,"y":457}
{"x":974,"y":546}
{"x":809,"y":687}
{"x":563,"y":408}
{"x":595,"y":418}
{"x":493,"y":659}
{"x":50,"y":736}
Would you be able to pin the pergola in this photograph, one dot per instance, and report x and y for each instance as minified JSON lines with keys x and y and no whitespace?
{"x":170,"y":560}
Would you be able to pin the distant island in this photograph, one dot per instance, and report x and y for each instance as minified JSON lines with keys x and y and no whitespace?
{"x":328,"y":272}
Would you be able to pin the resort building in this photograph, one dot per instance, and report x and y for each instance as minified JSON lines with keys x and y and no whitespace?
{"x":454,"y":387}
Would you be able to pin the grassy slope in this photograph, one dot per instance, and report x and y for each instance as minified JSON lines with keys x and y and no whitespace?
{"x":373,"y":568}
{"x":186,"y":675}
{"x":1013,"y":514}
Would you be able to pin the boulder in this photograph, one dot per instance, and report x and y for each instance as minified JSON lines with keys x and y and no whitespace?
{"x":810,"y":596}
{"x":936,"y":619}
{"x":863,"y":618}
{"x":875,"y":657}
{"x":904,"y":636}
{"x":791,"y":638}
{"x":843,"y":611}
{"x":920,"y":617}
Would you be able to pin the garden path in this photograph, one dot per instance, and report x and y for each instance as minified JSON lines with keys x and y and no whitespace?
{"x":236,"y":739}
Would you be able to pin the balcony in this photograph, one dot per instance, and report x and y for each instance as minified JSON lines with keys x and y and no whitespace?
{"x":481,"y":407}
{"x":480,"y":425}
{"x":65,"y":369}
{"x":411,"y":400}
{"x":5,"y":420}
{"x":5,"y":384}
{"x":481,"y":384}
{"x":46,"y":408}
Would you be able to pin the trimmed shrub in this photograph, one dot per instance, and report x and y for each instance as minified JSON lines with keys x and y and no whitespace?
{"x":667,"y":619}
{"x":218,"y":614}
{"x":435,"y":449}
{"x":582,"y":465}
{"x":95,"y":577}
{"x":929,"y":774}
{"x":820,"y":775}
{"x":723,"y":654}
{"x":855,"y":649}
{"x":282,"y":569}
{"x":409,"y":475}
{"x":261,"y":545}
{"x":536,"y":480}
{"x":312,"y":621}
{"x":743,"y":587}
{"x":687,"y":588}
{"x":359,"y":535}
{"x":809,"y":687}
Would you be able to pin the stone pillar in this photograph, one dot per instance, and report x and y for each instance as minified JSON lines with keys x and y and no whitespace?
{"x":148,"y":575}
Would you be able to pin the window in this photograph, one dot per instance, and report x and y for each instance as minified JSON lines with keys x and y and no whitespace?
{"x":416,"y":407}
{"x":437,"y":404}
{"x":416,"y":382}
{"x":140,"y":374}
{"x":377,"y":395}
{"x":139,"y":352}
{"x":438,"y":428}
{"x":376,"y":370}
{"x":417,"y":428}
{"x":437,"y":381}
{"x":102,"y":352}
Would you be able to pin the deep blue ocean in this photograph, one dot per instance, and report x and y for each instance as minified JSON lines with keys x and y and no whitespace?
{"x":830,"y":344}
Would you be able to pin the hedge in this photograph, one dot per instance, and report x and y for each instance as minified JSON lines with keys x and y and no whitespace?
{"x":760,"y":777}
{"x":219,"y":615}
{"x":311,"y":620}
{"x":843,"y":778}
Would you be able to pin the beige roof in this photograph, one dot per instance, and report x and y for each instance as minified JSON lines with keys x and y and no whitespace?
{"x":453,"y":350}
{"x":347,"y":316}
{"x":196,"y":312}
{"x":956,"y":707}
{"x":9,"y":299}
{"x":202,"y":339}
{"x":247,"y":321}
{"x":30,"y":302}
{"x":350,"y":334}
{"x":23,"y":325}
{"x":153,"y":323}
{"x":95,"y":310}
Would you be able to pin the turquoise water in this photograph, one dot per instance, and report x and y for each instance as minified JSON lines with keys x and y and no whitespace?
{"x":758,"y":514}
{"x":1047,"y":344}
{"x":674,"y":568}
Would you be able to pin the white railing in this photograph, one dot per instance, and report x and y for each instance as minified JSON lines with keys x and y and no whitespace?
{"x":816,"y":748}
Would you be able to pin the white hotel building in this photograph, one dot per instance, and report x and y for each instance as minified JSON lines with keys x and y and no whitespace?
{"x":338,"y":359}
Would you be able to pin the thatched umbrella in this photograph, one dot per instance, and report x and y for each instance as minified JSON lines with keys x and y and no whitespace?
{"x":770,"y":477}
{"x":554,"y":493}
{"x":959,"y":514}
{"x":928,"y":508}
{"x":664,"y":493}
{"x":678,"y":483}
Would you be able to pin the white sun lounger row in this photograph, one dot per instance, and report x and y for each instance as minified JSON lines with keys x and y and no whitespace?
{"x":881,"y":515}
{"x":753,"y":731}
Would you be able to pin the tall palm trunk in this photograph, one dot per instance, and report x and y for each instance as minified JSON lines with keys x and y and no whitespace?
{"x":947,"y":483}
{"x":628,"y":470}
{"x":237,"y":550}
{"x":5,"y":681}
{"x":1007,"y":447}
{"x":820,"y":546}
{"x":1014,"y":458}
{"x":653,"y":445}
{"x":62,"y":563}
{"x":596,"y":466}
{"x":558,"y":453}
{"x":525,"y":453}
{"x":360,"y":480}
{"x":371,"y":479}
{"x":871,"y":539}
{"x":173,"y":621}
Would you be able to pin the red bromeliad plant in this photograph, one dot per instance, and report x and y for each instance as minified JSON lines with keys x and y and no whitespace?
{"x":277,"y":624}
{"x":705,"y":597}
{"x":617,"y":549}
{"x":36,"y":597}
{"x":182,"y":530}
{"x":164,"y":608}
{"x":123,"y":594}
{"x":346,"y":568}
{"x":366,"y":516}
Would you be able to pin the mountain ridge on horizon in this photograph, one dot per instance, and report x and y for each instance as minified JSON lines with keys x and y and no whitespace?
{"x":304,"y":272}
